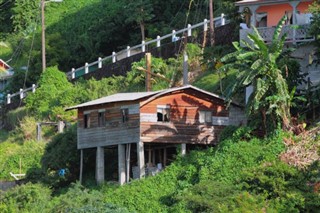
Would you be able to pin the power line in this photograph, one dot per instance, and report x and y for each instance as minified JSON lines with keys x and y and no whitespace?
{"x":4,"y":4}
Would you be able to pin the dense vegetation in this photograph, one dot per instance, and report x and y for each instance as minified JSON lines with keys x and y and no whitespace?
{"x":244,"y":173}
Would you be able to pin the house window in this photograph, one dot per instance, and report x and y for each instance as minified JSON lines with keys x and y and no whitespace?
{"x":163,"y":113}
{"x":86,"y":121}
{"x":101,"y":118}
{"x":205,"y":117}
{"x":289,"y":17}
{"x":261,"y":19}
{"x":125,"y":115}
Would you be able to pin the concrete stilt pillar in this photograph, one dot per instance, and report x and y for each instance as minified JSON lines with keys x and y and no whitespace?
{"x":81,"y":166}
{"x":61,"y":126}
{"x":165,"y":157}
{"x":183,"y":149}
{"x":100,"y":165}
{"x":122,"y":163}
{"x":140,"y":156}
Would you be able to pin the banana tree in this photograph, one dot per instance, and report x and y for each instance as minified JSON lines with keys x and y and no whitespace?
{"x":256,"y":64}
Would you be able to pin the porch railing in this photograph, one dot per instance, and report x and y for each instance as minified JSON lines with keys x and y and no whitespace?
{"x":295,"y":33}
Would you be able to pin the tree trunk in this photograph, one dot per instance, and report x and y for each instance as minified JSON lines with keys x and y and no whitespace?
{"x":142,"y":31}
{"x":212,"y":35}
{"x":264,"y":121}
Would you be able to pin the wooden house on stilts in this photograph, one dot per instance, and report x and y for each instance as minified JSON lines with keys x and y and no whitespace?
{"x":151,"y":122}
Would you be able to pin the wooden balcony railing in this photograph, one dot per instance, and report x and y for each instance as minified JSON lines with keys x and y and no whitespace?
{"x":295,"y":33}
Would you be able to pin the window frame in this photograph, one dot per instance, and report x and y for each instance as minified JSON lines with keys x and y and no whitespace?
{"x":165,"y":110}
{"x":86,"y":120}
{"x":205,"y":117}
{"x":101,"y":118}
{"x":125,"y":115}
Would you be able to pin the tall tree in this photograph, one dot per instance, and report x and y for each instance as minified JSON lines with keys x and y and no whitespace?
{"x":5,"y":17}
{"x":212,"y":35}
{"x":256,"y":63}
{"x":140,"y":12}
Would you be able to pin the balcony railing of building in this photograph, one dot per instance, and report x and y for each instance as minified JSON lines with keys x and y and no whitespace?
{"x":295,"y":33}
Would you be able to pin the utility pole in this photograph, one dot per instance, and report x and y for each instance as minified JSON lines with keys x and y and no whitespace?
{"x":43,"y":37}
{"x":148,"y":75}
{"x":43,"y":30}
{"x":212,"y":36}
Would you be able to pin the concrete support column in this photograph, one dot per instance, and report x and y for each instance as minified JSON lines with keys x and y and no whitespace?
{"x":140,"y":156}
{"x":100,"y":165}
{"x":294,"y":5}
{"x":165,"y":157}
{"x":81,"y":166}
{"x":61,"y":126}
{"x":183,"y":149}
{"x":254,"y":13}
{"x":122,"y":163}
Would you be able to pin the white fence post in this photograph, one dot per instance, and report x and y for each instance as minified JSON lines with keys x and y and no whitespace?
{"x":99,"y":62}
{"x":21,"y":93}
{"x":73,"y":73}
{"x":8,"y":99}
{"x":205,"y":25}
{"x":128,"y":51}
{"x":173,"y":36}
{"x":86,"y":68}
{"x":223,"y":20}
{"x":33,"y":88}
{"x":114,"y":57}
{"x":158,"y":41}
{"x":189,"y":30}
{"x":143,"y":47}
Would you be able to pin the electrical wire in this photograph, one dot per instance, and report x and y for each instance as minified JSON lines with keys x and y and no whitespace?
{"x":3,"y":4}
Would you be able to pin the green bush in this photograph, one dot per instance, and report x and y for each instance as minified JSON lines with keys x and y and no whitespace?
{"x":79,"y":199}
{"x":26,"y":198}
{"x":13,"y":117}
{"x":54,"y":94}
{"x":61,"y":153}
{"x":28,"y":153}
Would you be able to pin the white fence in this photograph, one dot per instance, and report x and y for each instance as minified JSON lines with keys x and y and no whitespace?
{"x":129,"y":51}
{"x":22,"y":93}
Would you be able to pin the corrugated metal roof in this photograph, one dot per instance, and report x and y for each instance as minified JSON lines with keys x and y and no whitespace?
{"x":120,"y":97}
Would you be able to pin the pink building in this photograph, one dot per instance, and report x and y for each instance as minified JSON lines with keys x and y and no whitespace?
{"x":265,"y":15}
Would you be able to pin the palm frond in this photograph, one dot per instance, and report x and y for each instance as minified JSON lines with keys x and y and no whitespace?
{"x":229,"y":57}
{"x":259,"y":43}
{"x":246,"y":55}
{"x":278,"y":29}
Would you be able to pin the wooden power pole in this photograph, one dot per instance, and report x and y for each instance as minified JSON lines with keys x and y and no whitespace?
{"x":148,"y":76}
{"x":212,"y":36}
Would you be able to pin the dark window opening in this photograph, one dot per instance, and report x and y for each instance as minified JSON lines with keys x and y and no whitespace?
{"x":125,"y":115}
{"x":86,"y":121}
{"x":163,"y":114}
{"x":101,"y":119}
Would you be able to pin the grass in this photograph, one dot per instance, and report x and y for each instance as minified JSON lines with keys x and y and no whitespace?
{"x":209,"y":80}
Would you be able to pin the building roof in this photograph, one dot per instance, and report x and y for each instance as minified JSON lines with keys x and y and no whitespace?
{"x":262,"y":2}
{"x":133,"y":96}
{"x":5,"y":65}
{"x":118,"y":97}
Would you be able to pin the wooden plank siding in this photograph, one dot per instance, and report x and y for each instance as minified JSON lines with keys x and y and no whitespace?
{"x":184,"y":125}
{"x":115,"y":131}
